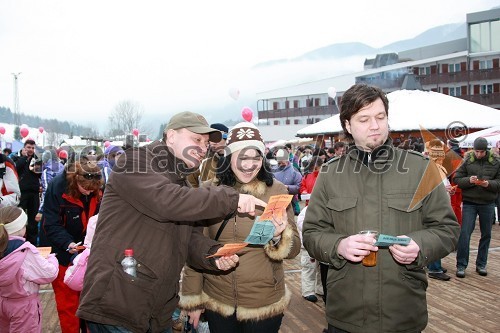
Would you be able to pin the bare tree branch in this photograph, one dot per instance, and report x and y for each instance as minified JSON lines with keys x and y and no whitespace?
{"x":126,"y":116}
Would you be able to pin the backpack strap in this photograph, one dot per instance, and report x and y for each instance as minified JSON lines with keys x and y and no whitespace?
{"x":223,"y":225}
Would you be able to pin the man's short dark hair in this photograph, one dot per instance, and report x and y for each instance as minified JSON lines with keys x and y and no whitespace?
{"x":338,"y":144}
{"x":30,"y":142}
{"x":357,"y":97}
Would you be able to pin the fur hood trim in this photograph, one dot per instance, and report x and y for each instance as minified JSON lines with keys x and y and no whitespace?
{"x":244,"y":313}
{"x":255,"y":188}
{"x":283,"y":248}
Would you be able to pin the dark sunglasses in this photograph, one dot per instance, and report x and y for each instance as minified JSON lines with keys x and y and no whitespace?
{"x":91,"y":176}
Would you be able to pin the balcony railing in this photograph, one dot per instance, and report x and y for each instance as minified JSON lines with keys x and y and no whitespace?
{"x":456,"y":77}
{"x":327,"y":110}
{"x":492,"y":100}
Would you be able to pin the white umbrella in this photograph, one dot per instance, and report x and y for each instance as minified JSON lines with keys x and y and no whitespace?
{"x":492,"y":135}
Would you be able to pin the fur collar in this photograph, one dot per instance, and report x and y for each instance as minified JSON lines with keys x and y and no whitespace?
{"x":255,"y":188}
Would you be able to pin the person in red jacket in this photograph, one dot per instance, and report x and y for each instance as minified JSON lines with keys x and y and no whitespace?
{"x":309,"y":179}
{"x":72,"y":197}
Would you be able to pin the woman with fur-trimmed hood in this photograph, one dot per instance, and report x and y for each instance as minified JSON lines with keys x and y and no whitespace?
{"x":251,"y":297}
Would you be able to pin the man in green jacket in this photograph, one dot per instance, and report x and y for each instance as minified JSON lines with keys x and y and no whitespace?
{"x":479,"y":179}
{"x":395,"y":192}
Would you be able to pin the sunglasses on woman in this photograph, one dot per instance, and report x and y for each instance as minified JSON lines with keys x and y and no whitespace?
{"x":90,"y":176}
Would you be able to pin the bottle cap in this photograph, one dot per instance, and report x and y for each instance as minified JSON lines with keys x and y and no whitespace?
{"x":129,"y":252}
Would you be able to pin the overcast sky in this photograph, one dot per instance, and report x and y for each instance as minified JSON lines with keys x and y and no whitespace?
{"x":79,"y":59}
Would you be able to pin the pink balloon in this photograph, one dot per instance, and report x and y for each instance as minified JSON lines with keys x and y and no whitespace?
{"x":106,"y":144}
{"x":40,"y":129}
{"x":2,"y":130}
{"x":135,"y":132}
{"x":148,"y":140}
{"x":247,"y":113}
{"x":24,"y":132}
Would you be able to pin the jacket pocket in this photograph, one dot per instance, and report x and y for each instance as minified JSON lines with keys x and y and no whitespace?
{"x":278,"y":274}
{"x":413,"y":284}
{"x":407,"y":219}
{"x":345,"y":288}
{"x":343,"y":212}
{"x":124,"y":290}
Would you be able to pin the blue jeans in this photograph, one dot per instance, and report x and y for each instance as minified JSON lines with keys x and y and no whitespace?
{"x":103,"y":328}
{"x":470,"y":212}
{"x":435,"y":267}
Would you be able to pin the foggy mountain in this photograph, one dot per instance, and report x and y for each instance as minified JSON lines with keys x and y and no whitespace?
{"x":325,"y":62}
{"x":432,"y":36}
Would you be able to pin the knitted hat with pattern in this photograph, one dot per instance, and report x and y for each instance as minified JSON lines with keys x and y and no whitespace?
{"x":244,"y":135}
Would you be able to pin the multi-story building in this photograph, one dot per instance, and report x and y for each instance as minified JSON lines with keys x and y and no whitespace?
{"x":466,"y":68}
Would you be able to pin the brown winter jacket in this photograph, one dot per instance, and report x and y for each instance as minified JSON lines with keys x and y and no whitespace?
{"x":256,"y":287}
{"x":148,"y":207}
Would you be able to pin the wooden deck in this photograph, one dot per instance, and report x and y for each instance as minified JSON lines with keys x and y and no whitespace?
{"x":459,"y":305}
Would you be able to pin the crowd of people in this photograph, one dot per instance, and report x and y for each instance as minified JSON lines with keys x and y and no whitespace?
{"x":177,"y":201}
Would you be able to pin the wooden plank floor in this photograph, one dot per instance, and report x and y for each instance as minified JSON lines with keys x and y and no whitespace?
{"x":459,"y":305}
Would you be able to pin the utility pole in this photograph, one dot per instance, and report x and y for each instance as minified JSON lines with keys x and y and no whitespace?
{"x":17,"y":120}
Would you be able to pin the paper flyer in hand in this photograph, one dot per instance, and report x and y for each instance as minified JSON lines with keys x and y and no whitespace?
{"x":228,"y":249}
{"x":263,"y":228}
{"x":387,"y":240}
{"x":262,"y":232}
{"x":44,"y":251}
{"x":276,"y":205}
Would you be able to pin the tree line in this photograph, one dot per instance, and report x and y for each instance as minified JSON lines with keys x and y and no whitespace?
{"x":50,"y":125}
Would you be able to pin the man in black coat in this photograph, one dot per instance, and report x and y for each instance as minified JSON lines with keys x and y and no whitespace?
{"x":29,"y":183}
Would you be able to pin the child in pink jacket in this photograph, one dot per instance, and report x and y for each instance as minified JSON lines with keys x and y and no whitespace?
{"x":75,"y":273}
{"x":22,"y":271}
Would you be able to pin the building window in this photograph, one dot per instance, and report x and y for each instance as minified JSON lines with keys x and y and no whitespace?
{"x":296,"y":104}
{"x":276,"y":122}
{"x":455,"y":91}
{"x":452,"y":68}
{"x":485,"y":64}
{"x":424,"y":70}
{"x":317,"y":102}
{"x":485,"y":36}
{"x":310,"y":121}
{"x":486,"y":89}
{"x":296,"y":121}
{"x":276,"y":105}
{"x":287,"y":121}
{"x":287,"y":104}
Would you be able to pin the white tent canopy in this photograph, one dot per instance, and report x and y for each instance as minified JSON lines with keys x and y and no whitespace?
{"x":408,"y":109}
{"x":492,"y":135}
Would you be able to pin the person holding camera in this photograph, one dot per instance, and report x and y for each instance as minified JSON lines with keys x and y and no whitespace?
{"x":29,"y":184}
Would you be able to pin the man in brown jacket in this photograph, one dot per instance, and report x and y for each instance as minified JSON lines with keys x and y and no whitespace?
{"x":149,"y":207}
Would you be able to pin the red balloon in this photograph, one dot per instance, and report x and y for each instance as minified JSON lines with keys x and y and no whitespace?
{"x":63,"y":154}
{"x":135,"y":132}
{"x":247,"y":113}
{"x":40,"y":129}
{"x":24,"y":132}
{"x":106,"y":144}
{"x":2,"y":130}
